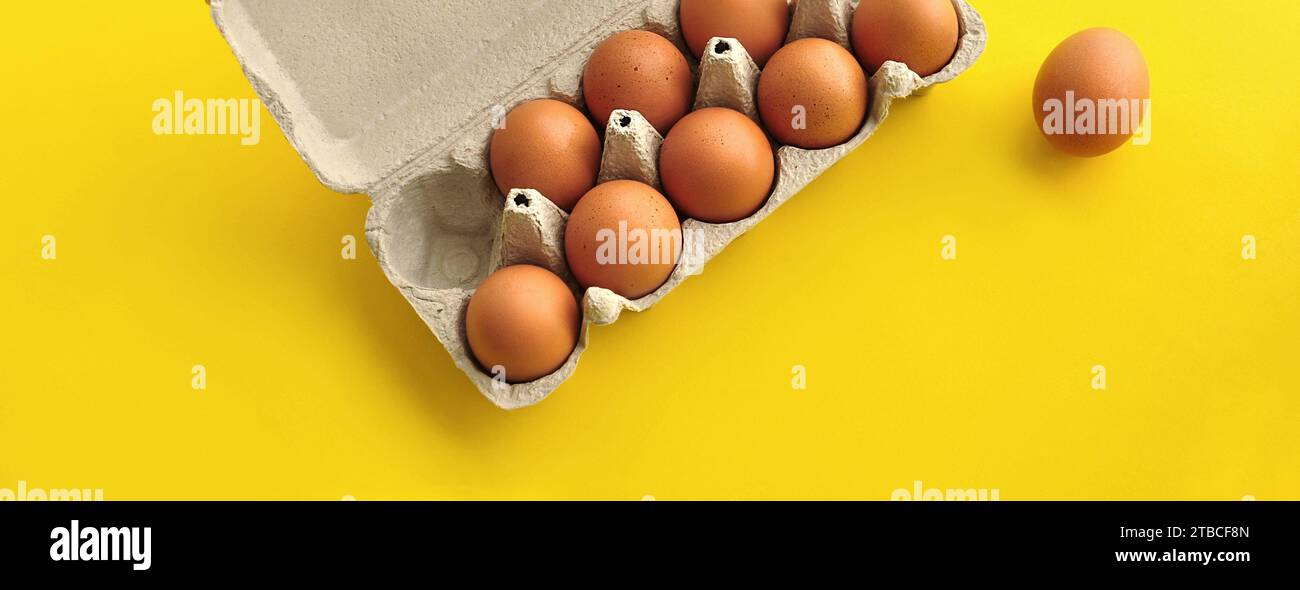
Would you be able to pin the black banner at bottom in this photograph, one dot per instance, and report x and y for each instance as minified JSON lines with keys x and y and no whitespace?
{"x":160,"y":539}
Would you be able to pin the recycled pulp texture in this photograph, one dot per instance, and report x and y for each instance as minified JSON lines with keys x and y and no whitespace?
{"x":396,"y":98}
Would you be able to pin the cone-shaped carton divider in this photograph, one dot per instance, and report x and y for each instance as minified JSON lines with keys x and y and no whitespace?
{"x":631,"y":149}
{"x":531,"y":232}
{"x":728,"y":78}
{"x":828,"y":19}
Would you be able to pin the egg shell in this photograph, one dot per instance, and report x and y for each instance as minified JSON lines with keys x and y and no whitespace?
{"x":549,"y":146}
{"x":522,"y":323}
{"x":640,"y":71}
{"x":813,"y":94}
{"x":1097,"y":64}
{"x":438,"y":225}
{"x":717,"y":166}
{"x":603,"y":232}
{"x":921,"y":34}
{"x":760,"y":25}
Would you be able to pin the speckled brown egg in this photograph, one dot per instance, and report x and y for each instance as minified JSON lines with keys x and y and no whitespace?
{"x":759,"y":25}
{"x":717,"y":166}
{"x":812,"y":94}
{"x":921,"y":34}
{"x":623,"y":236}
{"x":1091,"y":92}
{"x":639,"y":71}
{"x":548,"y":146}
{"x":524,"y":320}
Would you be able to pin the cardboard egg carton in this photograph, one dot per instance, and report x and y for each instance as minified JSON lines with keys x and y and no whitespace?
{"x":398,"y":99}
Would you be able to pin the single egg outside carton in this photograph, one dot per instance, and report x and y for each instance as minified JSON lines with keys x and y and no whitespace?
{"x":1092,"y":93}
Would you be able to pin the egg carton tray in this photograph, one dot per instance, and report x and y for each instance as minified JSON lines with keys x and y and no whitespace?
{"x":398,"y":99}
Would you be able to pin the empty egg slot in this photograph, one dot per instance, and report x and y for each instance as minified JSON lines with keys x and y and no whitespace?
{"x":437,"y":232}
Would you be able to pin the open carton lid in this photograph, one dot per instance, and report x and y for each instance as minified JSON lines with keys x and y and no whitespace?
{"x":363,"y":88}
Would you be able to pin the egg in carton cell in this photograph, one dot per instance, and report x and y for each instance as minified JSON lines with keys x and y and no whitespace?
{"x":439,"y":225}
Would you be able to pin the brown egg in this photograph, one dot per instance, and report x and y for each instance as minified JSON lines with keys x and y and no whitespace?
{"x":812,"y":94}
{"x":717,"y":166}
{"x":922,"y":34}
{"x":759,"y":25}
{"x":639,"y":71}
{"x":1091,"y":93}
{"x":523,"y":319}
{"x":548,"y":146}
{"x":623,"y":236}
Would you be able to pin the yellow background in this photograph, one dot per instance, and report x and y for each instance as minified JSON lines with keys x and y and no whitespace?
{"x":973,"y":373}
